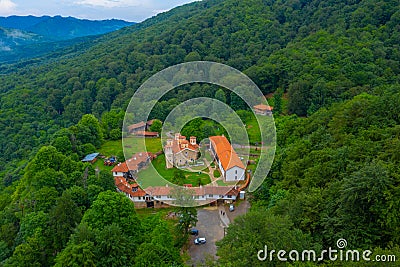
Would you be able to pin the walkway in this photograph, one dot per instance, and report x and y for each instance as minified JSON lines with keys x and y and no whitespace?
{"x":223,"y":216}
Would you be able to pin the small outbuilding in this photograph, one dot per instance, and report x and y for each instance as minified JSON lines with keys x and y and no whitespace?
{"x":90,"y":158}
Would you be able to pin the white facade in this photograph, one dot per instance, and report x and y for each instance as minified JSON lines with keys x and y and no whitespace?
{"x":234,"y":174}
{"x":119,"y":174}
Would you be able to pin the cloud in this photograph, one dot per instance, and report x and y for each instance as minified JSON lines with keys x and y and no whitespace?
{"x":6,"y":7}
{"x":109,"y":3}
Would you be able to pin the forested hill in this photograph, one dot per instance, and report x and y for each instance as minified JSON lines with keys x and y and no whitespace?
{"x":319,"y":52}
{"x":24,"y":37}
{"x":61,"y":28}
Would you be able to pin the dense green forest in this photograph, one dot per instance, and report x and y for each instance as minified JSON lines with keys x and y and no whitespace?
{"x":336,"y":170}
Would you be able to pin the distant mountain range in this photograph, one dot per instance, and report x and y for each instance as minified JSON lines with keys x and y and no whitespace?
{"x":37,"y":35}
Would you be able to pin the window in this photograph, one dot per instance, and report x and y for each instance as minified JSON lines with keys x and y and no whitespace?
{"x":229,"y":196}
{"x":235,"y":177}
{"x":235,"y":171}
{"x":210,"y":195}
{"x":158,"y":196}
{"x":134,"y":189}
{"x":139,"y":198}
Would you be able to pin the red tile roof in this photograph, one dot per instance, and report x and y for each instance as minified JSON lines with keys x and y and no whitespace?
{"x":121,"y":167}
{"x":182,"y":144}
{"x":225,"y":152}
{"x":263,"y":107}
{"x":136,"y":126}
{"x":132,"y":163}
{"x":125,"y":187}
{"x":147,"y":134}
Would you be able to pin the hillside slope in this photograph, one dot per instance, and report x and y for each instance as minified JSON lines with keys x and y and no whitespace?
{"x":61,"y":28}
{"x":329,"y":50}
{"x":23,"y":37}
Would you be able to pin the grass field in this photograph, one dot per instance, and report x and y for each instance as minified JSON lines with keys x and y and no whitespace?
{"x":134,"y":145}
{"x":149,"y":176}
{"x":253,"y":130}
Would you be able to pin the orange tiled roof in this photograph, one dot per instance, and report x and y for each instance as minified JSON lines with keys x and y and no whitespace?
{"x":125,"y":187}
{"x":220,"y":190}
{"x":263,"y":107}
{"x":136,"y":159}
{"x":226,"y":154}
{"x":132,"y":163}
{"x":176,"y":147}
{"x":136,"y":125}
{"x":159,"y":190}
{"x":182,"y":144}
{"x":146,"y":133}
{"x":121,"y":167}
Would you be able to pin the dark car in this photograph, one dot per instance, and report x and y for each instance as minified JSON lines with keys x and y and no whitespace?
{"x":194,"y":231}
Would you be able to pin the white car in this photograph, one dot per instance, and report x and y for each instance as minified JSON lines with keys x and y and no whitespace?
{"x":231,"y":207}
{"x":200,"y":240}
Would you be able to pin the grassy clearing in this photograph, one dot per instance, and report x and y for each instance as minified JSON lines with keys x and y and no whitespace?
{"x":253,"y":130}
{"x":221,"y":183}
{"x":195,"y":179}
{"x":111,"y":148}
{"x":134,"y":145}
{"x":150,"y":176}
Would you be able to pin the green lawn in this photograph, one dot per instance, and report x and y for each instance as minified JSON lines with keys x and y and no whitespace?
{"x":149,"y":176}
{"x":110,"y":148}
{"x":217,"y":173}
{"x":134,"y":145}
{"x":253,"y":130}
{"x":194,"y":178}
{"x":100,"y":165}
{"x":221,"y":183}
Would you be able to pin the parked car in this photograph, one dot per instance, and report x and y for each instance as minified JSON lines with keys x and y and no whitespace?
{"x":231,"y":207}
{"x":194,"y":231}
{"x":200,"y":240}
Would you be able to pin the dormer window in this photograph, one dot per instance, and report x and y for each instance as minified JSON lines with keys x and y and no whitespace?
{"x":134,"y":189}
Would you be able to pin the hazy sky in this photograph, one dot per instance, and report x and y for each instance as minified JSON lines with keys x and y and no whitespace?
{"x":131,"y":10}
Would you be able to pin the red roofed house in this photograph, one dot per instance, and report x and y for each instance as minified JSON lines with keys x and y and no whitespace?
{"x":132,"y":166}
{"x":230,"y":165}
{"x":125,"y":174}
{"x":133,"y":191}
{"x":263,"y":110}
{"x":137,"y":127}
{"x":180,"y":152}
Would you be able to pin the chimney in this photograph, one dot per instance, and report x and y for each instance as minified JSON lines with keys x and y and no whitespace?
{"x":177,"y":136}
{"x":193,"y":140}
